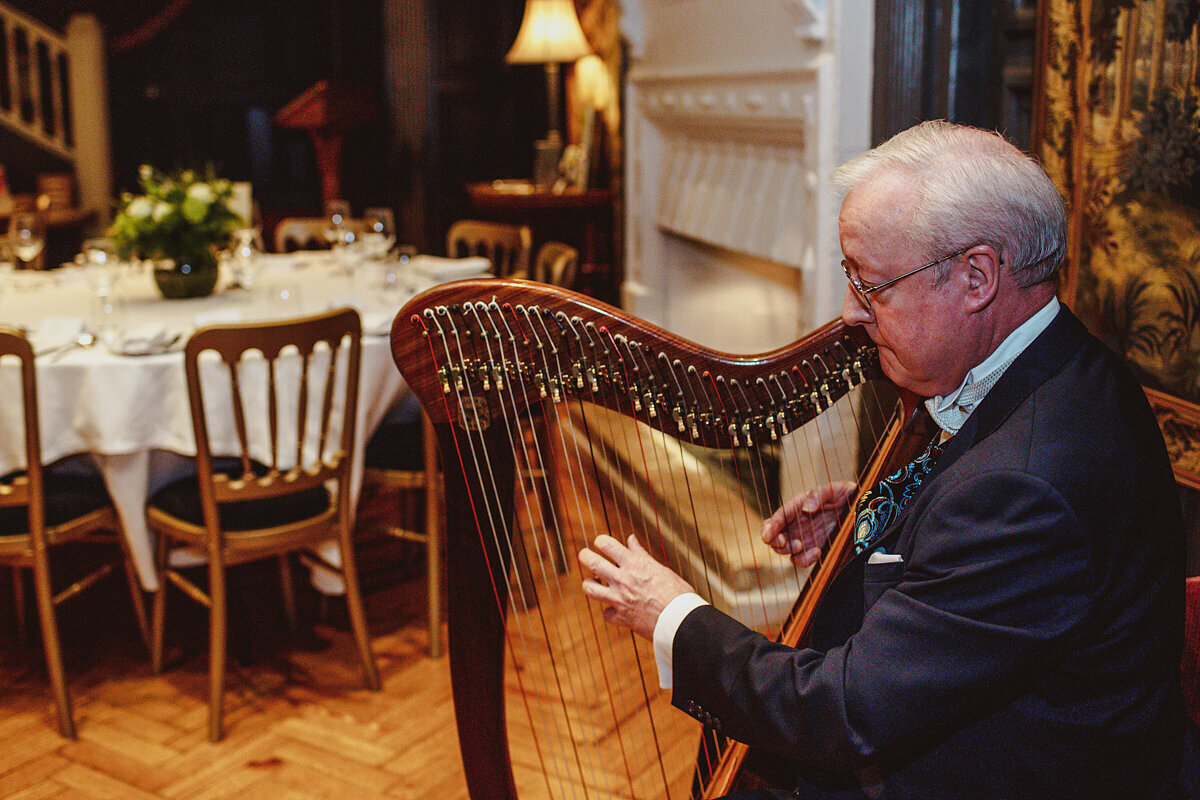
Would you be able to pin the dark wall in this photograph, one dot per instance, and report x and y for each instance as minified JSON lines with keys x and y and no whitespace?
{"x":969,"y":61}
{"x":203,"y":86}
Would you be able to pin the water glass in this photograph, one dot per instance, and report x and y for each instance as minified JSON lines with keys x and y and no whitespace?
{"x":337,"y":220}
{"x":380,"y":232}
{"x":26,"y":237}
{"x":406,"y":268}
{"x":102,"y":271}
{"x":244,"y":258}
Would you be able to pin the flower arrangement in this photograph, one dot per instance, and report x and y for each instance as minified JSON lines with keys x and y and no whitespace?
{"x":180,"y":216}
{"x":177,"y":214}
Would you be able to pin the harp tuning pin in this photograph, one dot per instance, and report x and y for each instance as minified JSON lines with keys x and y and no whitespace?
{"x":445,"y":381}
{"x":733,"y":434}
{"x":677,"y":414}
{"x":540,"y":380}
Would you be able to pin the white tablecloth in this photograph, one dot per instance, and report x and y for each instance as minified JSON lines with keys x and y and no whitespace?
{"x":131,"y":412}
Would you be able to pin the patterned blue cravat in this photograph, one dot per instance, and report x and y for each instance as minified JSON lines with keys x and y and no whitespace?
{"x":876,"y":509}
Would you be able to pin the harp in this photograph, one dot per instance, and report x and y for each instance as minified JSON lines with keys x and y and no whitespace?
{"x":559,"y":418}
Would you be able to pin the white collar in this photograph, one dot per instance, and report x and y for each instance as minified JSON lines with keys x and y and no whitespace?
{"x":951,"y":411}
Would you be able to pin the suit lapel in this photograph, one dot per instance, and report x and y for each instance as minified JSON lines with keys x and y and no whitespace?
{"x":1044,"y":357}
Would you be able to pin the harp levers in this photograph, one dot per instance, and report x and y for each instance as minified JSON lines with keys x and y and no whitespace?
{"x":560,"y":418}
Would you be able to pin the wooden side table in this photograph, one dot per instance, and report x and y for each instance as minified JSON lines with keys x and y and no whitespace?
{"x":582,"y":219}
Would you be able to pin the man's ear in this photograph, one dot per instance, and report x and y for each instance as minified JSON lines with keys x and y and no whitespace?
{"x":984,"y":272}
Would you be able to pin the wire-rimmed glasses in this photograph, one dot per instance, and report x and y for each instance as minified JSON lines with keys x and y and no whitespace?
{"x":863,"y":290}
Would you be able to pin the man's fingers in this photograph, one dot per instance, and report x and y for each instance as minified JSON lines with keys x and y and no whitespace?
{"x":807,"y":558}
{"x":611,"y":548}
{"x":596,"y":564}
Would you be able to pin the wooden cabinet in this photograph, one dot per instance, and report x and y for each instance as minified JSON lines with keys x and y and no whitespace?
{"x":582,"y":219}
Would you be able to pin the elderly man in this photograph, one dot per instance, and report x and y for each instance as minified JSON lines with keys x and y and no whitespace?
{"x":1014,"y":631}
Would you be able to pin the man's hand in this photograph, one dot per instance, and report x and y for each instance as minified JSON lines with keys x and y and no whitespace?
{"x":634,"y":587}
{"x":802,"y":525}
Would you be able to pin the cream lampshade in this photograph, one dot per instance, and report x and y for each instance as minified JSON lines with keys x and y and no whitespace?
{"x":549,"y":34}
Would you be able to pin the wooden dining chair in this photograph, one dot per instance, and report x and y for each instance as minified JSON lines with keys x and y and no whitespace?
{"x":41,"y":509}
{"x":401,"y":457}
{"x":556,"y":263}
{"x":308,"y":233}
{"x":286,"y":394}
{"x":508,"y":247}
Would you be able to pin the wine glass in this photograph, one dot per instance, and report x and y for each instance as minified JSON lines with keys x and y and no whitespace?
{"x":244,"y":259}
{"x":101,"y":268}
{"x":27,"y":237}
{"x":380,"y":232}
{"x":337,"y":216}
{"x":406,"y":268}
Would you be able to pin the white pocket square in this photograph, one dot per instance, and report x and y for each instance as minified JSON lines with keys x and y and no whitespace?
{"x":879,"y":557}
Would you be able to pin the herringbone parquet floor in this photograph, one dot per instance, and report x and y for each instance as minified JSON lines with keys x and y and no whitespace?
{"x":298,"y":722}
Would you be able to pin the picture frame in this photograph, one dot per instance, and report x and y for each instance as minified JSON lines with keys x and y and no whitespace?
{"x":1117,"y":126}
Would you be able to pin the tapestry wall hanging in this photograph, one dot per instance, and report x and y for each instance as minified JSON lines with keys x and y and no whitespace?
{"x":1117,"y":124}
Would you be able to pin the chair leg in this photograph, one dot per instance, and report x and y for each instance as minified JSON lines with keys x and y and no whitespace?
{"x":354,"y":605}
{"x":287,"y":587}
{"x":159,"y":611}
{"x":51,"y":644}
{"x":18,"y":582}
{"x":433,"y":566}
{"x":138,"y":598}
{"x":217,"y":638}
{"x":433,"y":534}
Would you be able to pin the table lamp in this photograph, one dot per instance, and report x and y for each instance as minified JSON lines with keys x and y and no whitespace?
{"x":549,"y":34}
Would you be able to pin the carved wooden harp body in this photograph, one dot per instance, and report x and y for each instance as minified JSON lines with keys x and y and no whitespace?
{"x":560,"y":418}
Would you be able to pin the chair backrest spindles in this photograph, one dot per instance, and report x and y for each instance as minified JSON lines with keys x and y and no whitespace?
{"x":507,"y":246}
{"x":306,"y":340}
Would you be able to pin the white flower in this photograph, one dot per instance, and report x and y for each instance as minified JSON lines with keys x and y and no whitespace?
{"x":139,"y":207}
{"x":161,"y":209}
{"x":200,"y":192}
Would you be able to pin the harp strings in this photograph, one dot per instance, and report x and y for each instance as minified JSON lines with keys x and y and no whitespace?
{"x":521,"y":366}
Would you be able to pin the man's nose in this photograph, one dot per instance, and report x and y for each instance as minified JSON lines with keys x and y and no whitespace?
{"x":854,"y":311}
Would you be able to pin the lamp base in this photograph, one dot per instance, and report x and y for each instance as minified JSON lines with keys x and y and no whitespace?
{"x":546,"y":155}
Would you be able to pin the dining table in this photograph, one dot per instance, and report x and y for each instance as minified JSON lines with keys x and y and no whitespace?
{"x":110,"y":372}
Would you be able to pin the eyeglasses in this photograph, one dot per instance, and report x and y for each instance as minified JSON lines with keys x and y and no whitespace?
{"x":863,"y":290}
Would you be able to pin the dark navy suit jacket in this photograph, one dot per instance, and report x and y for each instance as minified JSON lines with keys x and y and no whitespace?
{"x":1027,"y":645}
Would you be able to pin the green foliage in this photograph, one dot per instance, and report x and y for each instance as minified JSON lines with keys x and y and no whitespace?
{"x":1165,"y":159}
{"x":177,"y":214}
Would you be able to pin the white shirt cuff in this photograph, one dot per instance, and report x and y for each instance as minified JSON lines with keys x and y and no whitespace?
{"x":664,"y":633}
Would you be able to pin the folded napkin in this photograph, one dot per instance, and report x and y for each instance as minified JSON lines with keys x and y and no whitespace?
{"x":143,"y":339}
{"x":451,"y":269}
{"x":56,"y":331}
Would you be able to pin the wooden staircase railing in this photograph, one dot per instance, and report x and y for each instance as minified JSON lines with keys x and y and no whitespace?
{"x":35,"y":99}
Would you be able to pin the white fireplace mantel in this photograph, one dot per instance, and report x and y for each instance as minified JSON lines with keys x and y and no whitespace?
{"x":738,"y":110}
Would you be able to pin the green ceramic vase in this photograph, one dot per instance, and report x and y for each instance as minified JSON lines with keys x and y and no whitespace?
{"x":191,"y":275}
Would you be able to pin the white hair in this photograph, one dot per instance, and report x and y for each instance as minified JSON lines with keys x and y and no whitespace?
{"x":971,"y":187}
